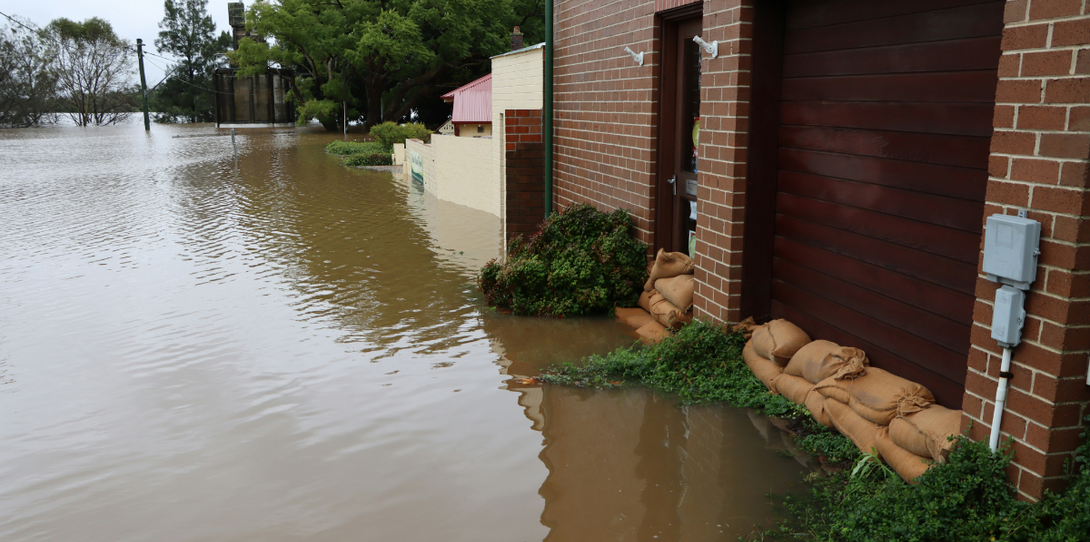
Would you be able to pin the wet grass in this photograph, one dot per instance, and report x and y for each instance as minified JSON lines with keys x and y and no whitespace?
{"x":702,"y":363}
{"x":967,"y":498}
{"x":361,"y":153}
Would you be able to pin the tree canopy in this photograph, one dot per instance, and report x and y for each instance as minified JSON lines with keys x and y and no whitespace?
{"x":93,"y":68}
{"x":393,"y":55}
{"x":27,"y":82}
{"x":189,"y":33}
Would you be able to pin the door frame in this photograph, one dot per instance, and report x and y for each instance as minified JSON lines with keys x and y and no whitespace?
{"x":666,"y":149}
{"x":762,"y":159}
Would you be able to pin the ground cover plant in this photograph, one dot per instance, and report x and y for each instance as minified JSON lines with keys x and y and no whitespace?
{"x":581,"y":261}
{"x":967,"y":498}
{"x":361,"y":153}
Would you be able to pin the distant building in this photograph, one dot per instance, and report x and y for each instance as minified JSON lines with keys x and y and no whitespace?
{"x":472,"y":115}
{"x":253,"y":100}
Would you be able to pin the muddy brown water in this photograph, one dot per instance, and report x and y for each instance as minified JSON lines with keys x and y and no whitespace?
{"x":287,"y":349}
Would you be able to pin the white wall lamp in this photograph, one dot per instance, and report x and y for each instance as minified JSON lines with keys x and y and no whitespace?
{"x":710,"y":48}
{"x":638,"y":57}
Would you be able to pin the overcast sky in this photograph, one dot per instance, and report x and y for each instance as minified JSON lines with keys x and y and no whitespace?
{"x":131,"y":19}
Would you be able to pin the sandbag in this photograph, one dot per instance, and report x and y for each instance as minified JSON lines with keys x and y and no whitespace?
{"x":652,"y":332}
{"x":906,"y":464}
{"x":792,"y":387}
{"x":668,"y":264}
{"x":926,"y":432}
{"x":851,"y":425}
{"x":815,"y":403}
{"x":878,"y":396}
{"x":667,"y":313}
{"x":821,"y":359}
{"x":644,"y":301}
{"x":763,"y":368}
{"x":678,"y":290}
{"x":635,"y":317}
{"x":778,"y":340}
{"x":745,"y":327}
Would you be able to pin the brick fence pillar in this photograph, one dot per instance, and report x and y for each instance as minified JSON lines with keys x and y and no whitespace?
{"x":524,"y":152}
{"x":1039,"y":159}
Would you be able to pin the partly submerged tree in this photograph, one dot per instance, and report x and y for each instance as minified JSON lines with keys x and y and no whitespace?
{"x":93,"y":68}
{"x":396,"y":53}
{"x":27,"y":82}
{"x":189,"y":34}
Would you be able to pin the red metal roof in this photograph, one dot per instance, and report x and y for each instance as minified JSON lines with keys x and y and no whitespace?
{"x":472,"y":102}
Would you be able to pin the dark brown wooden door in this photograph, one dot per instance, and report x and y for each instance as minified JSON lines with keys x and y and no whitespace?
{"x":680,"y":110}
{"x":885,"y":120}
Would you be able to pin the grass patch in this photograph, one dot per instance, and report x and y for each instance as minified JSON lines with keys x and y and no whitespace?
{"x":967,"y":498}
{"x":349,"y":148}
{"x":702,"y":363}
{"x":369,"y":160}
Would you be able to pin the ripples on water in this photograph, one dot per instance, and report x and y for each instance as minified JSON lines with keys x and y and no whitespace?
{"x":287,"y":349}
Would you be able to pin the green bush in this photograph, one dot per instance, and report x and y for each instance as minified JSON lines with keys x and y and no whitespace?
{"x":581,"y":261}
{"x":384,"y":159}
{"x":348,"y":148}
{"x":702,"y":363}
{"x":967,"y":498}
{"x":389,"y":133}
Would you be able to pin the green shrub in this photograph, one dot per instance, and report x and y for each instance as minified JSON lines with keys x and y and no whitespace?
{"x":348,"y":148}
{"x":389,"y":133}
{"x":702,"y":363}
{"x":384,"y":159}
{"x":581,"y":261}
{"x":967,"y":498}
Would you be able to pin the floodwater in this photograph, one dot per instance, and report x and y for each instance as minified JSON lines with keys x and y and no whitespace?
{"x":194,"y":349}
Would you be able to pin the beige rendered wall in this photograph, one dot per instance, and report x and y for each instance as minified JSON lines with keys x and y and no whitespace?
{"x":518,"y":82}
{"x":427,"y":153}
{"x":470,"y":130}
{"x":463,"y":172}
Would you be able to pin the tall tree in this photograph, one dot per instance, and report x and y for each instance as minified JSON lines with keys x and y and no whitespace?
{"x":400,"y":52}
{"x":27,"y":82}
{"x":93,"y":67}
{"x":189,"y":33}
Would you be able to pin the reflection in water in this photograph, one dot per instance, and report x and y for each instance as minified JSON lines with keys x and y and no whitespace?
{"x":289,"y":349}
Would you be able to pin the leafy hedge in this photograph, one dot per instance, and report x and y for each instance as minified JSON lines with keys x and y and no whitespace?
{"x":384,"y":159}
{"x":348,"y":148}
{"x":581,"y":261}
{"x":389,"y":133}
{"x":967,"y":498}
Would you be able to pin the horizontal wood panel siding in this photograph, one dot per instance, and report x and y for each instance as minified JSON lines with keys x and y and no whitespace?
{"x":885,"y":126}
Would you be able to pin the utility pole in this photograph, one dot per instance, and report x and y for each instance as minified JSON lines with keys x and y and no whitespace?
{"x":344,"y":98}
{"x":143,"y":83}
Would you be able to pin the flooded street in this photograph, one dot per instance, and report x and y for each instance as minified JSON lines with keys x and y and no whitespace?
{"x":287,"y":349}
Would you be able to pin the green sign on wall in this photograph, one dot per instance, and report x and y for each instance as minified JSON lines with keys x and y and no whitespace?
{"x":416,"y":166}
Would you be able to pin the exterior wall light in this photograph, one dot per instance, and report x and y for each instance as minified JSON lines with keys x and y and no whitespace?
{"x":710,"y":48}
{"x":638,"y":57}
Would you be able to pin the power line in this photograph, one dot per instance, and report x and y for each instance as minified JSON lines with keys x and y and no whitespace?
{"x":10,"y":18}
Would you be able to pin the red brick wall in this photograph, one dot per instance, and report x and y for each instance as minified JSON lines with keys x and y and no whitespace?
{"x":605,"y":126}
{"x":605,"y":104}
{"x":525,"y":173}
{"x":1039,"y":159}
{"x":724,"y":128}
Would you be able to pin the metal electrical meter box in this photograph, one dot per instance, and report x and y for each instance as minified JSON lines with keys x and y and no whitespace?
{"x":1011,"y":250}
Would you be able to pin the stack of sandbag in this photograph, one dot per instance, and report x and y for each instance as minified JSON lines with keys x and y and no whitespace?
{"x":670,"y":287}
{"x":879,"y":411}
{"x":914,"y":441}
{"x":667,"y":295}
{"x":814,"y":363}
{"x":771,"y":347}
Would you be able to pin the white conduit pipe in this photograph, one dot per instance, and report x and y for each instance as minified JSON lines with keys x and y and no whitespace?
{"x":1000,"y":399}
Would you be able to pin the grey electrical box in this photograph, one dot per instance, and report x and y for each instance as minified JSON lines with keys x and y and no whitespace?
{"x":1011,"y":250}
{"x":1009,"y":316}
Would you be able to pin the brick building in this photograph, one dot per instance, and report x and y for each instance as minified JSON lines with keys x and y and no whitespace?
{"x":834,"y":161}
